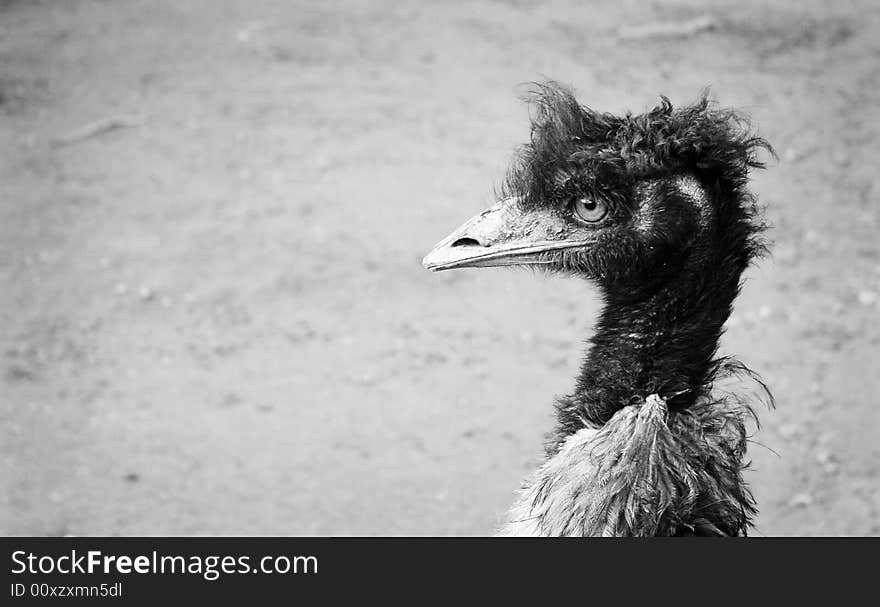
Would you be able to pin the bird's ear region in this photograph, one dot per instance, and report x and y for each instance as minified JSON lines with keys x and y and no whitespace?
{"x":670,"y":208}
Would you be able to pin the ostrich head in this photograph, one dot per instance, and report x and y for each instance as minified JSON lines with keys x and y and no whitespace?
{"x":627,"y":201}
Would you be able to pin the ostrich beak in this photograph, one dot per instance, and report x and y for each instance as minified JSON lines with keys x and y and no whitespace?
{"x":502,"y":235}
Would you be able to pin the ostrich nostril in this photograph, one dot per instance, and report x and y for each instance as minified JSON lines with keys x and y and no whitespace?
{"x":466,"y":242}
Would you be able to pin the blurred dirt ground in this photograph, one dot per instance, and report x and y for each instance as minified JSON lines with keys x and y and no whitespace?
{"x":213,"y":317}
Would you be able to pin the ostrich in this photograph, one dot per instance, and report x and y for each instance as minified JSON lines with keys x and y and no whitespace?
{"x":653,"y":208}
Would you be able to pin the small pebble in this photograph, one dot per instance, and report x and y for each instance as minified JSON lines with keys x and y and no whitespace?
{"x":825,"y":438}
{"x":824,"y":456}
{"x":867,"y":298}
{"x":801,"y":500}
{"x":830,"y":469}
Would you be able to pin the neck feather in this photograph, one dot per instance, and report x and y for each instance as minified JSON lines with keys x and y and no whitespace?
{"x":661,"y":342}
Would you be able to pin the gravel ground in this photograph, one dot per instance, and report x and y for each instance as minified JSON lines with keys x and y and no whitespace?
{"x":213,"y":317}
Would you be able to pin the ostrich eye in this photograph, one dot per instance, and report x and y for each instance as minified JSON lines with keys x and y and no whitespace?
{"x":589,"y":209}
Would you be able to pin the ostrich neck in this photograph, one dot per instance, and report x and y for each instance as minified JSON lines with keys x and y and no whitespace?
{"x":662,"y":342}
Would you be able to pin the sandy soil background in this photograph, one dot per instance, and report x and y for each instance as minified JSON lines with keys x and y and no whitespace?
{"x":213,"y":319}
